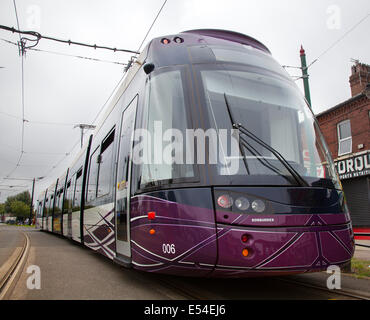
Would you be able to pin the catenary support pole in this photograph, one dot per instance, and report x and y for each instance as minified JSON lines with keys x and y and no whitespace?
{"x":31,"y":205}
{"x":305,"y":76}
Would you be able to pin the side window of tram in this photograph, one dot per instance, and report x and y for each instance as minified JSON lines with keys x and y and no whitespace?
{"x":105,"y":165}
{"x":39,"y":212}
{"x":100,"y":172}
{"x":46,"y":207}
{"x":77,"y":192}
{"x":51,"y":203}
{"x":93,"y":175}
{"x":68,"y":198}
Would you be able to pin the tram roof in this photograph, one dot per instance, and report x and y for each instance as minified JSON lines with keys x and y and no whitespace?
{"x":230,"y":36}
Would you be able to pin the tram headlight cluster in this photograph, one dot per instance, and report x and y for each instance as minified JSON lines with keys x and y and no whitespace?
{"x":168,"y":41}
{"x":241,"y":203}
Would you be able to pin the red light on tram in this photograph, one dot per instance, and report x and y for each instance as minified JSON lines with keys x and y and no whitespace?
{"x":225,"y":201}
{"x":165,"y":41}
{"x":151,"y":215}
{"x":152,"y":231}
{"x":244,"y":238}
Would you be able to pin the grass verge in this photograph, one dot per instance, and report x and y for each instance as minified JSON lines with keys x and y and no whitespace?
{"x":360,"y":268}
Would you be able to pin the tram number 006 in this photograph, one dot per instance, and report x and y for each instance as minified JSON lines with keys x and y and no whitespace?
{"x":168,"y":248}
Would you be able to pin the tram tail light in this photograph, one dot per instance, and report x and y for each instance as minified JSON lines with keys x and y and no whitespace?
{"x":245,"y":252}
{"x":152,"y":231}
{"x":244,"y":238}
{"x":151,"y":215}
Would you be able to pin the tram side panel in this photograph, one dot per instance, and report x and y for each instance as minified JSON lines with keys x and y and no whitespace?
{"x":174,"y":232}
{"x":67,"y":208}
{"x":98,"y":222}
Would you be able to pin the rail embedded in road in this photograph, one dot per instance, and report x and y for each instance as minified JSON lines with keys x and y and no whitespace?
{"x":11,"y":269}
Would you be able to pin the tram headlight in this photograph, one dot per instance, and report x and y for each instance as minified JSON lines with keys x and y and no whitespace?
{"x":178,"y":40}
{"x":225,"y":201}
{"x":242,"y":203}
{"x":258,"y":206}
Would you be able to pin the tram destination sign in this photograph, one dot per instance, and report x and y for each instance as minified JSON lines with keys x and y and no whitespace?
{"x":353,"y":167}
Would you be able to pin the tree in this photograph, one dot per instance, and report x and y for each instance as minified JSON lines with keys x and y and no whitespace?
{"x":18,"y":205}
{"x":2,"y":211}
{"x":20,"y":209}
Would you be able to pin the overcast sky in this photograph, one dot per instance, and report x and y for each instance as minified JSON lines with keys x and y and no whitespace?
{"x":68,"y":91}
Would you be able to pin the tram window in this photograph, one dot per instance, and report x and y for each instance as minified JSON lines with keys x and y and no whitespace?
{"x":56,"y":205}
{"x":39,"y":211}
{"x":45,"y":209}
{"x":51,"y":203}
{"x":59,"y":205}
{"x":68,"y":198}
{"x":267,"y":107}
{"x":77,"y":191}
{"x":246,"y":55}
{"x":165,"y":106}
{"x":105,"y":165}
{"x":93,"y":175}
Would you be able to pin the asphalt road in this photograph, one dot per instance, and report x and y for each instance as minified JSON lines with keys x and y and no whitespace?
{"x":10,"y":238}
{"x":69,"y":271}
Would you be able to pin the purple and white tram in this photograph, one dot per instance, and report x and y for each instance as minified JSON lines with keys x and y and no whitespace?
{"x":281,"y":208}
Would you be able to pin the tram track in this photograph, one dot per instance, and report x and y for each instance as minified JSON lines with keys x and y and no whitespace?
{"x":340,"y":292}
{"x":10,"y":271}
{"x":186,"y":293}
{"x":196,"y":292}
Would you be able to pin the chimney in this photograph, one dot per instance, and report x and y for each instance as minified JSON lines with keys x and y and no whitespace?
{"x":360,"y":78}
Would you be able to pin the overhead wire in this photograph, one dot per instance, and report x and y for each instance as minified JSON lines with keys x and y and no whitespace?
{"x":151,"y":26}
{"x":138,"y":52}
{"x":66,"y":54}
{"x":39,"y":36}
{"x":119,"y":82}
{"x":339,"y":40}
{"x":37,"y":122}
{"x":22,"y":99}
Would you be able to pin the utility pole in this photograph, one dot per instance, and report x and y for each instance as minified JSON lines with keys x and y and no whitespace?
{"x":83,"y":127}
{"x":31,"y":206}
{"x":305,"y":76}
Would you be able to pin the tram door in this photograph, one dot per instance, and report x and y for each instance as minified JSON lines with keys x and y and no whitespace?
{"x":123,"y":180}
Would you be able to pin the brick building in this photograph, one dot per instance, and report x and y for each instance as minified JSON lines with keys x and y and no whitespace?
{"x":346,"y":128}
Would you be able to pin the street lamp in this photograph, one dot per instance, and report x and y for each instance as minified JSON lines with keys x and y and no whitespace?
{"x":83,"y":127}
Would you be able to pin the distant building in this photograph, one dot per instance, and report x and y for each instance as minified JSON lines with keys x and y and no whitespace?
{"x":346,"y":128}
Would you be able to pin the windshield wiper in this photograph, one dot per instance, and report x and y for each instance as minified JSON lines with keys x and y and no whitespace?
{"x":244,"y":131}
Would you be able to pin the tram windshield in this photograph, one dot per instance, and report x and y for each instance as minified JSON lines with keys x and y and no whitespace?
{"x":273,"y":110}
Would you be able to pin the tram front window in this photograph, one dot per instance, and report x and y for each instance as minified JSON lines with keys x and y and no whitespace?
{"x":273,"y":109}
{"x":166,"y":120}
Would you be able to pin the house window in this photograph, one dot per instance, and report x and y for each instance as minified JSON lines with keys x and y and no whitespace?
{"x":344,"y":138}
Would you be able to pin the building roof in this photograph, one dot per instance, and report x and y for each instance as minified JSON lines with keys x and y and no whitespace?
{"x":342,"y":104}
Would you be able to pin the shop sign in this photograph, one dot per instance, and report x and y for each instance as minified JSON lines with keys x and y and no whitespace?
{"x":354,"y":167}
